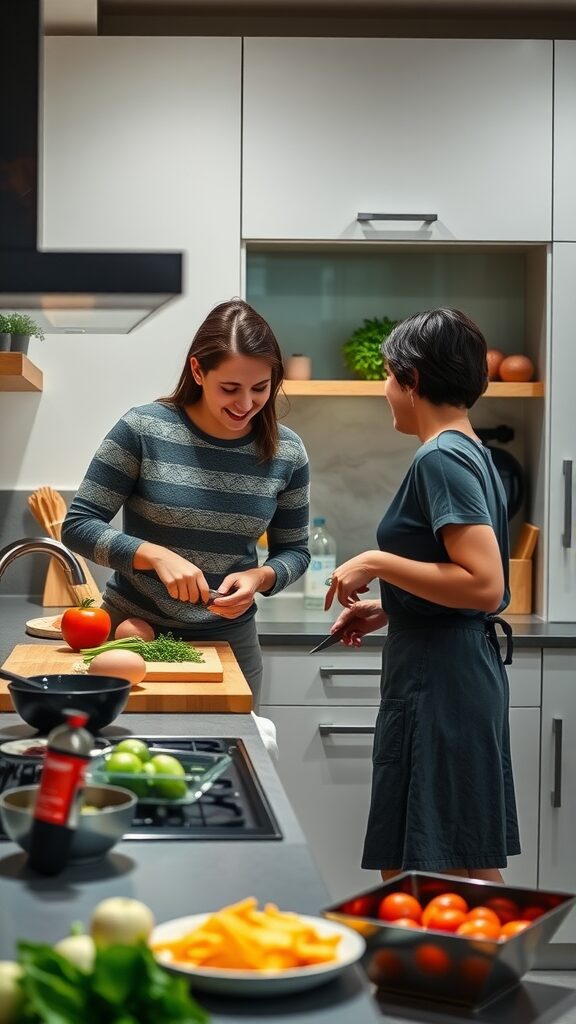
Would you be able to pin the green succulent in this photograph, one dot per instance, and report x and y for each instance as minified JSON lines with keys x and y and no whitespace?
{"x":20,"y":323}
{"x":362,"y":352}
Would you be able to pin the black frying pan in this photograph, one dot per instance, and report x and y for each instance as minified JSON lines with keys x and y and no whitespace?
{"x":42,"y":706}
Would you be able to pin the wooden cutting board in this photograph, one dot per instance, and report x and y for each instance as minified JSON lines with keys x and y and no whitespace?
{"x":33,"y":659}
{"x":185,"y":693}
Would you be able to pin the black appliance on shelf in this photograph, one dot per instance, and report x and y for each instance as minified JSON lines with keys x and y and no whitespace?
{"x":507,"y":466}
{"x":235,"y":806}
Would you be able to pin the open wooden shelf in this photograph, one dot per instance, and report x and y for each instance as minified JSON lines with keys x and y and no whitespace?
{"x":496,"y":389}
{"x":17,"y":373}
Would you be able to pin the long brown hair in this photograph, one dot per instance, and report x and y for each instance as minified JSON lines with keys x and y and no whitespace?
{"x":234,"y":328}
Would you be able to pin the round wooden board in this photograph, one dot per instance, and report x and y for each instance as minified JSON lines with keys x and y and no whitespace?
{"x":43,"y":627}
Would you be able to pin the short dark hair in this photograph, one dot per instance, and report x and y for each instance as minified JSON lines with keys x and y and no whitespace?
{"x":235,"y":327}
{"x":447,"y":350}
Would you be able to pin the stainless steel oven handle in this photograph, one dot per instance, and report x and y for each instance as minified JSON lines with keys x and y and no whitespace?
{"x":428,"y":218}
{"x":327,"y":671}
{"x":326,"y":729}
{"x":567,"y":532}
{"x":556,"y":793}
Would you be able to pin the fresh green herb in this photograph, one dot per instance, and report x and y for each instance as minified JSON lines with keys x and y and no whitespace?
{"x":362,"y":351}
{"x":164,"y":648}
{"x":20,"y":323}
{"x":126,"y":986}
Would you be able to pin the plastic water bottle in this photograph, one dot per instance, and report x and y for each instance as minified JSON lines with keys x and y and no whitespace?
{"x":322,"y":565}
{"x":59,"y":794}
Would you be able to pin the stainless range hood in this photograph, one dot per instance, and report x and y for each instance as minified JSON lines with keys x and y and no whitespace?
{"x":66,"y":292}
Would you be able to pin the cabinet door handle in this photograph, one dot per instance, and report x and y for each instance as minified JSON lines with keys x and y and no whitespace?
{"x":325,"y":729}
{"x":327,"y":671}
{"x":557,"y":736}
{"x":567,"y":534}
{"x":428,"y":218}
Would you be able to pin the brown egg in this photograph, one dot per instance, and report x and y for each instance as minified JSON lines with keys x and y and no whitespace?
{"x":121,"y":664}
{"x":134,"y":627}
{"x":493,"y":357}
{"x":516,"y":368}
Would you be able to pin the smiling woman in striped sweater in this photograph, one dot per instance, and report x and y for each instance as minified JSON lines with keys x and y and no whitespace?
{"x":200,"y":475}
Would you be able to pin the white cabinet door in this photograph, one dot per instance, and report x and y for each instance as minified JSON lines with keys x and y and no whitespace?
{"x":558,"y":788}
{"x":562,"y":510}
{"x":564,"y":220}
{"x":456,"y":128}
{"x":325,"y":765}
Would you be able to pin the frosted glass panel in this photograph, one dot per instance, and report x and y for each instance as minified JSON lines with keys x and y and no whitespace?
{"x":314,"y":300}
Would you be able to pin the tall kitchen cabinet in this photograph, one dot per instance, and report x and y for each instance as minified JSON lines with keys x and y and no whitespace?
{"x":558,"y":781}
{"x":434,"y":138}
{"x":324,"y":707}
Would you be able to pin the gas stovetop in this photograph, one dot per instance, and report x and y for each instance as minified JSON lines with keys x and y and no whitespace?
{"x":235,"y":806}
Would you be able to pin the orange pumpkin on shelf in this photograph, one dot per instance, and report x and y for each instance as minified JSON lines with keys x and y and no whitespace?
{"x":493,"y":358}
{"x":516,"y":368}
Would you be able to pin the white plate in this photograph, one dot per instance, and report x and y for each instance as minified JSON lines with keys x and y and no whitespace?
{"x":256,"y":983}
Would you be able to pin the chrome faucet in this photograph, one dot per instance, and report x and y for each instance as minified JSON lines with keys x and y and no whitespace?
{"x":30,"y":545}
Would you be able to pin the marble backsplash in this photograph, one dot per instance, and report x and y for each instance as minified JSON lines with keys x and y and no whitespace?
{"x":357,"y":461}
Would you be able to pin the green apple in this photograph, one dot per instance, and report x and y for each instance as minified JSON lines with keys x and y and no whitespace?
{"x":134,"y":746}
{"x":173,"y":788}
{"x":120,"y":765}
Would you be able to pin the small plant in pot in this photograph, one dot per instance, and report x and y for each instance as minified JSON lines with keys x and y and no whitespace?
{"x":362,"y":352}
{"x":21,"y":327}
{"x":4,"y":333}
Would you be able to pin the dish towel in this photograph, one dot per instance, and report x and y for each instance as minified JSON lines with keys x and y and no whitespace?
{"x":267,"y":731}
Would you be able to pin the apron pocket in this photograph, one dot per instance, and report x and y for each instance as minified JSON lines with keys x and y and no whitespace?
{"x":389,"y":732}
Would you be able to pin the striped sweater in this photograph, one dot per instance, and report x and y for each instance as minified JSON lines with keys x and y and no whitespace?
{"x":205,"y":498}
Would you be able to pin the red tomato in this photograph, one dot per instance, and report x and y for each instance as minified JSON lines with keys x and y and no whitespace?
{"x":405,"y":922}
{"x":85,"y":626}
{"x":446,"y":901}
{"x":479,"y":928}
{"x":506,"y":908}
{"x":512,"y":928}
{"x":484,"y":914}
{"x":432,"y":959}
{"x":531,"y":913}
{"x":361,"y":906}
{"x":399,"y":904}
{"x":445,"y":919}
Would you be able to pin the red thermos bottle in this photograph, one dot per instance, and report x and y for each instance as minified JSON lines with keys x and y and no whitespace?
{"x":61,"y":785}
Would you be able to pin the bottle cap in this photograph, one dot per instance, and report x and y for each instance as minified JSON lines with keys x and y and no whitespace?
{"x":75,"y":719}
{"x":318,"y":521}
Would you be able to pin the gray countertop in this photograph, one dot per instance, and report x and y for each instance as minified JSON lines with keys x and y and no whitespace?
{"x":175,"y":878}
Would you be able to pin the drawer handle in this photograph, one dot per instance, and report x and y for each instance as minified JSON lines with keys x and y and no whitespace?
{"x":428,"y":218}
{"x":557,"y":735}
{"x":345,"y":730}
{"x":567,"y":534}
{"x":327,"y":671}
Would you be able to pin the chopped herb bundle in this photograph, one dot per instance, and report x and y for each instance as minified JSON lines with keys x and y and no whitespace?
{"x":164,"y":648}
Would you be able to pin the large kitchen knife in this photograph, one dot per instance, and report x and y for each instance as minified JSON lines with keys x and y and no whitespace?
{"x":332,"y":638}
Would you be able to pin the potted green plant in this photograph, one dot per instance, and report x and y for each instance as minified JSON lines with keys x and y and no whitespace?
{"x":362,"y":352}
{"x":21,"y":328}
{"x":4,"y":333}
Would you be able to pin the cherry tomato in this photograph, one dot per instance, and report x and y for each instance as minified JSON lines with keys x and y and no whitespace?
{"x":360,"y":906}
{"x":399,"y":904}
{"x":531,"y":913}
{"x":479,"y":928}
{"x":506,"y":908}
{"x":446,"y":901}
{"x":512,"y":928}
{"x":405,"y":922}
{"x":432,"y":959}
{"x":384,"y":965}
{"x":445,"y":919}
{"x":85,"y":626}
{"x":483,"y":914}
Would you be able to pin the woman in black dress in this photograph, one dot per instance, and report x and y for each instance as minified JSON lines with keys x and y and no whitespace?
{"x":442,"y":786}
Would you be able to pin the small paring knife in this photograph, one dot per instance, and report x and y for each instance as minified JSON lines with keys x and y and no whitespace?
{"x":328,"y":641}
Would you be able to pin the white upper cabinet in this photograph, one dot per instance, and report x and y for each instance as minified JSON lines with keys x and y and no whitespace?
{"x":456,"y":129}
{"x":565,"y":140}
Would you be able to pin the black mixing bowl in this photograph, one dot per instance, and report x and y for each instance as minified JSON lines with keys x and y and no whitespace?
{"x":102,"y":698}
